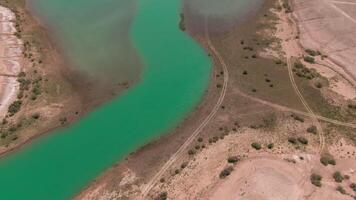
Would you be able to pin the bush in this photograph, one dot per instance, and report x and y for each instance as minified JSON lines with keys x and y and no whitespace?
{"x":338,"y":177}
{"x":256,"y":146}
{"x":353,"y":186}
{"x":270,"y":146}
{"x":184,"y":165}
{"x":200,"y":139}
{"x":318,"y":85}
{"x":15,"y":107}
{"x":162,"y":196}
{"x":303,"y":140}
{"x":312,"y":52}
{"x":315,"y":179}
{"x":312,"y":129}
{"x":341,"y":189}
{"x":309,"y":59}
{"x":226,"y":172}
{"x":233,"y":159}
{"x":191,"y":152}
{"x":327,"y":159}
{"x":292,"y":140}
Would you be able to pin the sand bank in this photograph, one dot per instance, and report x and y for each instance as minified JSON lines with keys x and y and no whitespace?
{"x":10,"y":59}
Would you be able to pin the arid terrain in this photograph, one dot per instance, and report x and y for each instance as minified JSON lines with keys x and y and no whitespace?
{"x":277,"y":121}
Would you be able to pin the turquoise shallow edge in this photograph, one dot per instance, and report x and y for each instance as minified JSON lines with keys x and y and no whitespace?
{"x":175,"y":75}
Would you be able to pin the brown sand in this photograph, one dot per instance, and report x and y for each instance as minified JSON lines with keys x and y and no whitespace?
{"x":11,"y":59}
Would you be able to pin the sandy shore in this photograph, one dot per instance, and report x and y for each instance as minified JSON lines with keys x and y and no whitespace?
{"x":10,"y":59}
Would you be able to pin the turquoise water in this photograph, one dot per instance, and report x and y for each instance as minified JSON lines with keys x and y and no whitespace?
{"x":175,"y":75}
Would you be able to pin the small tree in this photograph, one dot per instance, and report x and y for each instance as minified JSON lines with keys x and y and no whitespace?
{"x":309,"y":59}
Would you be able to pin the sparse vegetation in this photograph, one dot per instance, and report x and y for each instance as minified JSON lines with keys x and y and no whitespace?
{"x":316,"y":179}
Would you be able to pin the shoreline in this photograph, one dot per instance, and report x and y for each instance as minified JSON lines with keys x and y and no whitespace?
{"x":141,"y":160}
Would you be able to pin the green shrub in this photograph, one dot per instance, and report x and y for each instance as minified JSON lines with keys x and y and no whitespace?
{"x":256,"y":146}
{"x":226,"y":172}
{"x":315,"y":179}
{"x":200,"y":139}
{"x":338,"y":177}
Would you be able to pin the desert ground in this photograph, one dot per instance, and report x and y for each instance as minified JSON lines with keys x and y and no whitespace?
{"x":284,"y":126}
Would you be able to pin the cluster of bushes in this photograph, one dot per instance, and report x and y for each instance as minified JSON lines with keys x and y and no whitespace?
{"x":301,"y":140}
{"x":315,"y":179}
{"x":303,"y":72}
{"x":15,"y":107}
{"x":312,"y":52}
{"x":327,"y":159}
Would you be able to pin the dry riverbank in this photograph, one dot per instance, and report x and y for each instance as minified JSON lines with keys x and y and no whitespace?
{"x":255,"y":129}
